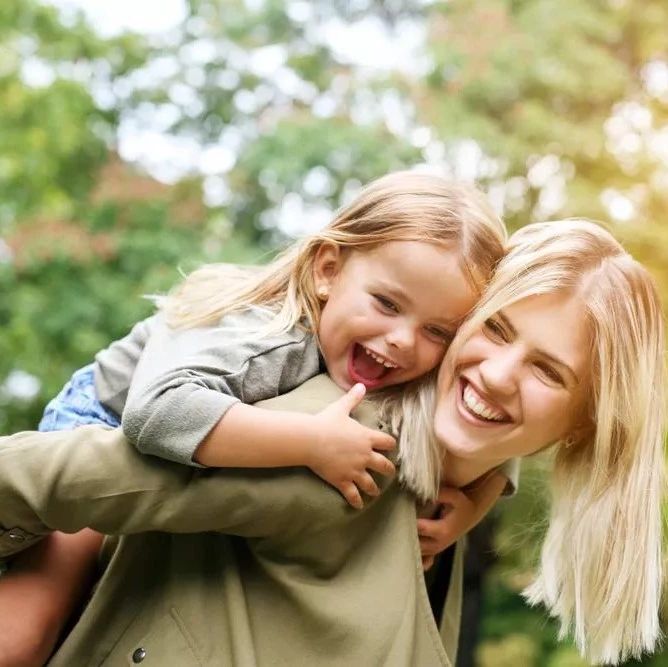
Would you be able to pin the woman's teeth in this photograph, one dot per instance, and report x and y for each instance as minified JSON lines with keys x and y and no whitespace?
{"x":478,"y":407}
{"x":379,"y":359}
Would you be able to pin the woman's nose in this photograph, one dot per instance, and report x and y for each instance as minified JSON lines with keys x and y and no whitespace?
{"x":499,"y":371}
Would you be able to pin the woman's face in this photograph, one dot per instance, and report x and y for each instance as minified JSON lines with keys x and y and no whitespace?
{"x":520,"y":382}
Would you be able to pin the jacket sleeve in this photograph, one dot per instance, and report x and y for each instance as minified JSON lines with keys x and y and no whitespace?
{"x":187,"y":379}
{"x":92,"y":477}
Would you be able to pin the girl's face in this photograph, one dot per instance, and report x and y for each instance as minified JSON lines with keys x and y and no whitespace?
{"x":520,"y":382}
{"x":391,"y":312}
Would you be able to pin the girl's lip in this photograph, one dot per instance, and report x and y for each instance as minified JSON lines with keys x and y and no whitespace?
{"x":468,"y":416}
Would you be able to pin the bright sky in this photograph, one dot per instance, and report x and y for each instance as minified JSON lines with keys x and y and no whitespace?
{"x":111,"y":18}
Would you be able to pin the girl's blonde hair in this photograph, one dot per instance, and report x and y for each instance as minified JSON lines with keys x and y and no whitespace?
{"x":403,"y":206}
{"x":600,"y":570}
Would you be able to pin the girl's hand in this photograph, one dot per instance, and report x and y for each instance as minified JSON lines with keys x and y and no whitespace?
{"x":456,"y":515}
{"x":346,"y":450}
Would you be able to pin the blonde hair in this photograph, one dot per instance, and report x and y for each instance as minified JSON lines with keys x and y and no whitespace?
{"x":600,"y":569}
{"x":403,"y":206}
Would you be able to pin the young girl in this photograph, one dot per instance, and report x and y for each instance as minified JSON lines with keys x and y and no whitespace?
{"x":374,"y":298}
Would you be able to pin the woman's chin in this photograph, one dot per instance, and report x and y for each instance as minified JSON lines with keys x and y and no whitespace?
{"x":461,"y":451}
{"x":454,"y":444}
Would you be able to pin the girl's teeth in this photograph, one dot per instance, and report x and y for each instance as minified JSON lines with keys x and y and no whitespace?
{"x":473,"y":403}
{"x":380,"y":360}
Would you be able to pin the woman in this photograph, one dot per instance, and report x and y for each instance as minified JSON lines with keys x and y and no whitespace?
{"x":565,"y":347}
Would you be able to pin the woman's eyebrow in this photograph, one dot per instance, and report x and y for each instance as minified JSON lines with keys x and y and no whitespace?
{"x":546,"y":355}
{"x":562,"y":364}
{"x":507,"y":323}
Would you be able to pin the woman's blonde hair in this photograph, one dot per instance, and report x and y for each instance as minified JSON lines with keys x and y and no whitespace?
{"x":600,"y":570}
{"x":403,"y":206}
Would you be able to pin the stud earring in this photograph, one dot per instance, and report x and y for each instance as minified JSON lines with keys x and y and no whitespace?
{"x":323,"y":292}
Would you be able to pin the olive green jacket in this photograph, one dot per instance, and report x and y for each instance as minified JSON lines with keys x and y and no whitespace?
{"x":299,"y":578}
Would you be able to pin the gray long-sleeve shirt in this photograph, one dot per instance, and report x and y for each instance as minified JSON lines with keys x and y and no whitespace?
{"x":173,"y":386}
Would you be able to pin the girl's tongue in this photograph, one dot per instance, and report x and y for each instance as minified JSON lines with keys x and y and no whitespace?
{"x":365,"y":366}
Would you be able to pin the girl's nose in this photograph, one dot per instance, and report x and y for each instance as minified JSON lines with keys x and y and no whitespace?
{"x":499,"y":371}
{"x":401,"y":337}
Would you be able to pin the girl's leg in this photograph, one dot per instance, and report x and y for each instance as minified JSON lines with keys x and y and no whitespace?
{"x":48,"y":582}
{"x":39,"y":593}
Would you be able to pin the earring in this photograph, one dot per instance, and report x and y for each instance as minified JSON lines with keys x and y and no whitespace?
{"x":323,"y":292}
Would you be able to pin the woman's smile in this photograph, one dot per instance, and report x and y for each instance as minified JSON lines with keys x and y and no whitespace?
{"x":479,"y":409}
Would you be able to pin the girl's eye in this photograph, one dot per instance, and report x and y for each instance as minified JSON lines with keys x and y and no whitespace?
{"x":550,"y":374}
{"x":386,"y":304}
{"x":443,"y":335}
{"x":494,"y":330}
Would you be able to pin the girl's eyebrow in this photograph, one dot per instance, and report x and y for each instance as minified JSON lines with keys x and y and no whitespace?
{"x":546,"y":355}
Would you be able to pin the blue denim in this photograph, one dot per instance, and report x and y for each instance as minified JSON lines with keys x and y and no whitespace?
{"x":77,"y":405}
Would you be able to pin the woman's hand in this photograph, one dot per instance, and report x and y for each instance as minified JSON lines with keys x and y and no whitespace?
{"x":346,"y":451}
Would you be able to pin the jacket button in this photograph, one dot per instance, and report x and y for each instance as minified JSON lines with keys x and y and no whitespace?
{"x":139,"y":655}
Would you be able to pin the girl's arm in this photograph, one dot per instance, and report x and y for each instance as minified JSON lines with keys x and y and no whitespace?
{"x":331,"y":443}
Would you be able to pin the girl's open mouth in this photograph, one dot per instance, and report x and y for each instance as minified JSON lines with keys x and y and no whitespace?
{"x":368,"y":367}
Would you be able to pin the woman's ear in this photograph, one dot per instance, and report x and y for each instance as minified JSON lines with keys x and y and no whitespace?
{"x":326,"y":266}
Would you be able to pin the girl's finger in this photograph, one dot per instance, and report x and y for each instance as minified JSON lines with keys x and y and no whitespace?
{"x":350,"y":400}
{"x":381,"y":464}
{"x":429,"y":528}
{"x":383,"y":441}
{"x":351,"y":493}
{"x":427,"y":562}
{"x":366,"y":484}
{"x":429,"y":547}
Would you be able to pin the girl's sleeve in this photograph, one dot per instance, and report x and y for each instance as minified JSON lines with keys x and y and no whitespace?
{"x":186,"y":380}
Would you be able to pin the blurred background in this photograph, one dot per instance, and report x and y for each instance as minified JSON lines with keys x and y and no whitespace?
{"x":140,"y":139}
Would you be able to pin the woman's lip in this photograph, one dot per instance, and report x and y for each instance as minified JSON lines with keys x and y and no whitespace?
{"x":468,"y":416}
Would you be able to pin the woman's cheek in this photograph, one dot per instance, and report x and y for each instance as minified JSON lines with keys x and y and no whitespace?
{"x":547,"y":407}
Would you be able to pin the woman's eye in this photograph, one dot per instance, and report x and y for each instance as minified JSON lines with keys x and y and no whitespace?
{"x":494,"y":330}
{"x":551,"y":374}
{"x":442,"y":335}
{"x":386,"y":303}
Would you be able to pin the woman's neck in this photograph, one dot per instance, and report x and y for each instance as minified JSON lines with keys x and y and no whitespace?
{"x":461,"y":472}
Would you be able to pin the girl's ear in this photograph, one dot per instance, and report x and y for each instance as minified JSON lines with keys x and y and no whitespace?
{"x":326,"y":266}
